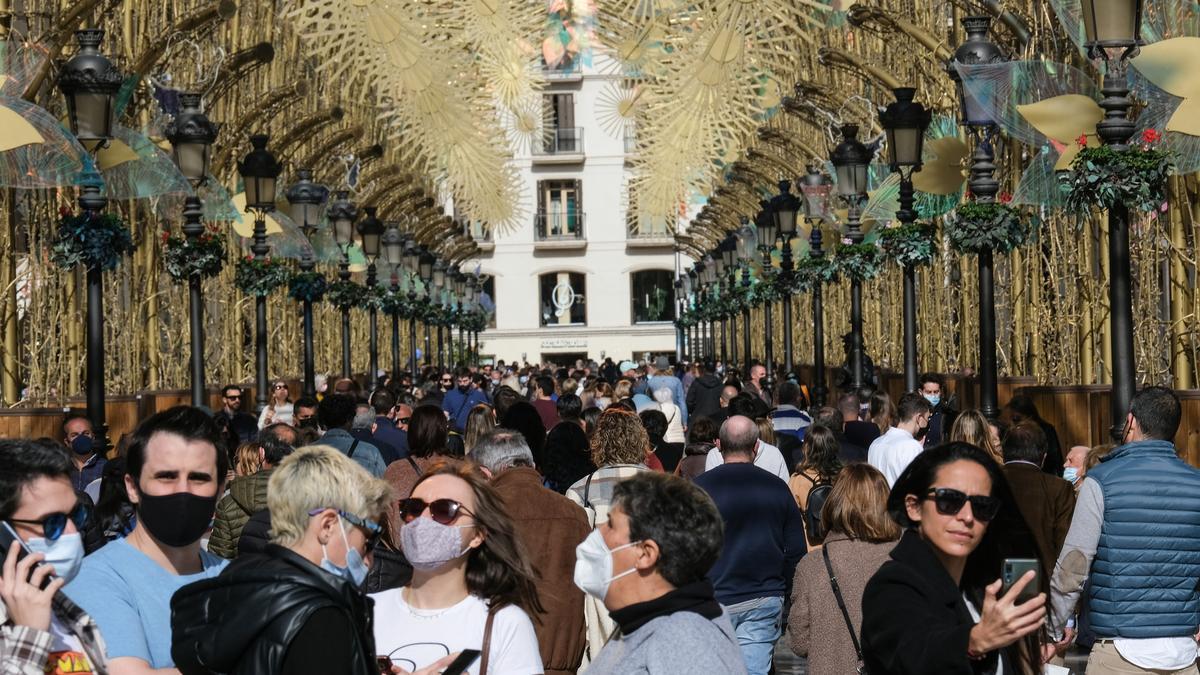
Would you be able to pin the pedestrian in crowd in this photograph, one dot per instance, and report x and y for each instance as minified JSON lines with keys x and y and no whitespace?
{"x":589,"y":417}
{"x":1021,"y":408}
{"x":861,"y":433}
{"x":766,"y":456}
{"x":524,"y":417}
{"x":936,"y":606}
{"x":1074,"y":466}
{"x":40,"y":626}
{"x":848,"y":453}
{"x":504,"y":399}
{"x":115,"y":514}
{"x":549,"y":527}
{"x":298,"y":606}
{"x":1136,"y":527}
{"x":363,"y":428}
{"x":480,"y":422}
{"x":473,"y":586}
{"x":345,"y":386}
{"x":764,"y":539}
{"x":667,"y":452}
{"x":240,"y":427}
{"x":87,"y":465}
{"x":427,"y":433}
{"x":175,"y":469}
{"x":544,"y":402}
{"x":673,"y":415}
{"x":622,"y":390}
{"x":970,"y":426}
{"x":279,"y":406}
{"x":814,"y":479}
{"x":567,"y":453}
{"x":702,"y":437}
{"x":604,"y":395}
{"x":1046,"y":502}
{"x":883,"y":413}
{"x":663,"y":377}
{"x":898,"y":446}
{"x":789,"y":418}
{"x":304,"y":413}
{"x":248,"y":494}
{"x":386,"y":409}
{"x":704,"y":395}
{"x":336,"y":415}
{"x":647,"y":564}
{"x":755,"y":384}
{"x":941,"y":416}
{"x":245,"y":461}
{"x":826,"y":614}
{"x":459,"y":401}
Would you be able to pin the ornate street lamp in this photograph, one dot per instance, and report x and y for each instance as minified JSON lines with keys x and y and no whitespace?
{"x":707,"y":270}
{"x":342,"y":214}
{"x":768,"y":230}
{"x":904,"y":121}
{"x":815,"y":186}
{"x":306,"y":199}
{"x":370,"y":231}
{"x":728,"y":251}
{"x":393,"y":255}
{"x":412,"y":258}
{"x":784,"y":207}
{"x":978,"y":50}
{"x":439,"y":285}
{"x":747,"y":242}
{"x":851,"y":159}
{"x":90,"y":83}
{"x":425,"y":266}
{"x":691,"y":285}
{"x":191,"y":134}
{"x":259,"y":171}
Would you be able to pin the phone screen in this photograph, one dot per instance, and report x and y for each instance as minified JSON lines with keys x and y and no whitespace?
{"x":1014,"y":569}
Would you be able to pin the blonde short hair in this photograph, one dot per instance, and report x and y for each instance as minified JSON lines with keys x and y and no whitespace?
{"x":316,"y":477}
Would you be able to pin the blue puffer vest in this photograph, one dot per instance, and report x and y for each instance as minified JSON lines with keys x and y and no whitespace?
{"x":1147,"y":567}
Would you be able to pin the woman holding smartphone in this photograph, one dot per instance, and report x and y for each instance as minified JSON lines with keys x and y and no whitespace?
{"x":938,"y":605}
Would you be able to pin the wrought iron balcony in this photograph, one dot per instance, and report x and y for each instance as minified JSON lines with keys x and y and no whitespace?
{"x":559,"y":141}
{"x":559,"y":226}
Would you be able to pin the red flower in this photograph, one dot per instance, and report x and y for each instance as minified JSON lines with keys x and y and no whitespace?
{"x":1005,"y":197}
{"x":1151,"y":136}
{"x":1082,"y":140}
{"x":166,"y":236}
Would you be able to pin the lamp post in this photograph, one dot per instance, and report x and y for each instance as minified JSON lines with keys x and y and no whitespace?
{"x":747,"y":242}
{"x":978,"y":50}
{"x":1112,"y":29}
{"x":729,"y":263}
{"x":904,"y":121}
{"x":393,"y":255}
{"x":850,"y":160}
{"x":768,"y":230}
{"x":784,"y":207}
{"x":90,"y":83}
{"x":425,"y":268}
{"x":689,"y":295}
{"x":342,"y":214}
{"x":815,"y":187}
{"x":412,"y":267}
{"x":191,"y":134}
{"x":259,"y":171}
{"x":708,"y":273}
{"x":306,"y":199}
{"x":472,"y":301}
{"x":370,"y":232}
{"x":439,"y":284}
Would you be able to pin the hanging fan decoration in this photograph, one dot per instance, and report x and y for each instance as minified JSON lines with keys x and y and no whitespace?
{"x":35,"y":151}
{"x":939,"y":184}
{"x":135,"y":168}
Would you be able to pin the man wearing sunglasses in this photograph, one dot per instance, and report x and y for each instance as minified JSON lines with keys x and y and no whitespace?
{"x":241,"y":425}
{"x":175,"y":469}
{"x":892,"y":452}
{"x":41,"y":627}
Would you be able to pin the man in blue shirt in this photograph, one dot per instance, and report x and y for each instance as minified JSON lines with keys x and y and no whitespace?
{"x":457,"y":402}
{"x":661,"y":377}
{"x":175,"y":470}
{"x":764,"y":539}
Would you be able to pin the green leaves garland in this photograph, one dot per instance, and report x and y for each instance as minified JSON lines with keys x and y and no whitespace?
{"x":811,"y":271}
{"x":909,"y":244}
{"x":393,"y":301}
{"x":345,"y":294}
{"x":1102,"y":176}
{"x":310,"y":286}
{"x":90,"y":240}
{"x":857,"y":261}
{"x":204,"y":255}
{"x":977,"y":226}
{"x":258,"y":277}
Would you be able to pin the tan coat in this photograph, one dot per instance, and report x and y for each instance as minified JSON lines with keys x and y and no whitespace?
{"x":815,"y":624}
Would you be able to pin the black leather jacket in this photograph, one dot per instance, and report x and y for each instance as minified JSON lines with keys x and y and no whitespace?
{"x":244,"y":621}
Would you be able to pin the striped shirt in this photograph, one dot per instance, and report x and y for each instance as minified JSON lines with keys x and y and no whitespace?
{"x":788,"y":419}
{"x":594,"y":492}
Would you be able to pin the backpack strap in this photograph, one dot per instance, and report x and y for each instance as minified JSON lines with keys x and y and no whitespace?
{"x":350,"y":452}
{"x":837,"y":594}
{"x":487,"y":640}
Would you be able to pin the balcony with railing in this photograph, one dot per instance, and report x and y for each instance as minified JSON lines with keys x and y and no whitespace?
{"x":645,"y":232}
{"x":559,"y":145}
{"x":481,"y":234}
{"x":559,"y":230}
{"x":566,"y":70}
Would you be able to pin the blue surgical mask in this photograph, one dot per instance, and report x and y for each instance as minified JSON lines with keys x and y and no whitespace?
{"x":64,"y":553}
{"x":933,"y":399}
{"x":523,"y":379}
{"x":1070,"y":474}
{"x":355,"y":570}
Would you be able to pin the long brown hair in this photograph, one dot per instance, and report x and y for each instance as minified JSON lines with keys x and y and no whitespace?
{"x":857,"y":505}
{"x":972,"y":427}
{"x":498,"y":570}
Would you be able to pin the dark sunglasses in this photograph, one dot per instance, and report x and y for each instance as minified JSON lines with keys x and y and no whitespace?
{"x":443,"y":511}
{"x":55,"y":524}
{"x":949,"y":502}
{"x":281,"y":386}
{"x":234,"y":398}
{"x":403,"y":420}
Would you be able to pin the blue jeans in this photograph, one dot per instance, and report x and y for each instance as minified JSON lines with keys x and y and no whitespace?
{"x":757,"y":630}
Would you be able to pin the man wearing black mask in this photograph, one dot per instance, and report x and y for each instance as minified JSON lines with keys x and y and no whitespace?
{"x":86,"y":464}
{"x":175,"y":468}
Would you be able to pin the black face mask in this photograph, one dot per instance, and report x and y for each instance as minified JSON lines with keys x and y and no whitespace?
{"x":177,"y":519}
{"x":307,"y":423}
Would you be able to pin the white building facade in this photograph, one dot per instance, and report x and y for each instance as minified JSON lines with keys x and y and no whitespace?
{"x":575,"y":280}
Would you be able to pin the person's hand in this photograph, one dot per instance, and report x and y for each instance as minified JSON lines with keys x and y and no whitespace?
{"x":1002,"y":621}
{"x":1049,"y":651}
{"x":28,"y":604}
{"x":434,"y":668}
{"x":1061,"y":646}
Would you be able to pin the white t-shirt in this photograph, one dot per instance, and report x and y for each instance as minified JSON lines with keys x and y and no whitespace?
{"x":415,"y":638}
{"x":892,"y":452}
{"x":769,"y":458}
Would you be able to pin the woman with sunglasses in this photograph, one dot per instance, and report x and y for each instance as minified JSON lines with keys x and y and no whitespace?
{"x":472,"y":586}
{"x":297,"y":607}
{"x":279,"y":406}
{"x":937,"y":605}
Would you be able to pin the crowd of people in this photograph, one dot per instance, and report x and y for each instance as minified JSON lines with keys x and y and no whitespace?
{"x":606,"y":518}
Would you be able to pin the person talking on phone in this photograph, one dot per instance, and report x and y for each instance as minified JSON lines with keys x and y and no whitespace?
{"x":39,"y":626}
{"x":938,"y":605}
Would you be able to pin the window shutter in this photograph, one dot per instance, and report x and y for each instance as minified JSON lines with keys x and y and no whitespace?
{"x":579,"y":206}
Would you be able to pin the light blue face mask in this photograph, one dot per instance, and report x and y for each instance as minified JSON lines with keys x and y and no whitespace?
{"x":1070,"y":474}
{"x":355,"y":570}
{"x":933,"y":399}
{"x":64,"y":553}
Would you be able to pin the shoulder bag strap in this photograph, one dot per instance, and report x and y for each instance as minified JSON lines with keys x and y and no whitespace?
{"x":415,"y":468}
{"x":837,"y":594}
{"x":350,"y":452}
{"x":487,"y":641}
{"x":587,"y":488}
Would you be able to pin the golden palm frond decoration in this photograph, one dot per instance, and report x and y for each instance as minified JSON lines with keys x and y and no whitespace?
{"x":617,"y":107}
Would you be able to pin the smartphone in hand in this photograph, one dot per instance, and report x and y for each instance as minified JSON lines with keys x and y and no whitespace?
{"x":1015,"y":568}
{"x":464,"y":661}
{"x":7,"y":536}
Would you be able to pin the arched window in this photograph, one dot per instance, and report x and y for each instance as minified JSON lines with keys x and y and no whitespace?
{"x":653,"y":296}
{"x":561,"y":299}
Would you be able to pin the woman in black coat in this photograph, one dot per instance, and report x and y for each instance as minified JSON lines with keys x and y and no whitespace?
{"x":958,"y":513}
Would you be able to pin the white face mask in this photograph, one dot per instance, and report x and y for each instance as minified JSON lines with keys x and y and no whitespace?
{"x":64,"y":553}
{"x":593,"y":565}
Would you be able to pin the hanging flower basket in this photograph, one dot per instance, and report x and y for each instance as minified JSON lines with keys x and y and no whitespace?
{"x":204,"y":255}
{"x":393,"y":301}
{"x":347,"y":294}
{"x":258,"y":277}
{"x":812,"y":271}
{"x":977,"y":226}
{"x":1101,"y":176}
{"x":857,"y":261}
{"x":308,"y":286}
{"x":90,"y":240}
{"x":909,"y":244}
